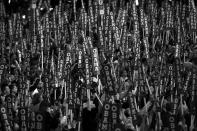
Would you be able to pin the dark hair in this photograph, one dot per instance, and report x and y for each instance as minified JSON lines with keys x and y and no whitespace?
{"x":125,"y":105}
{"x":11,"y":87}
{"x":36,"y":99}
{"x":122,"y":71}
{"x":3,"y":85}
{"x":168,"y":107}
{"x":127,"y":114}
{"x":1,"y":101}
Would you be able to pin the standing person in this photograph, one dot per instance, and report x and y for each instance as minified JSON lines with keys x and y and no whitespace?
{"x":4,"y":122}
{"x":10,"y":100}
{"x":14,"y":93}
{"x":124,"y":81}
{"x":89,"y":115}
{"x":5,"y":91}
{"x":51,"y":117}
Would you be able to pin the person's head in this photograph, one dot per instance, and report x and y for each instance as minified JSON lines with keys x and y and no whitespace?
{"x":14,"y":89}
{"x":124,"y":73}
{"x":169,"y":107}
{"x":37,"y":98}
{"x":7,"y":90}
{"x":127,"y":112}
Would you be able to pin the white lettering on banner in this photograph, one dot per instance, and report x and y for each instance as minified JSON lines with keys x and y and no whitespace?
{"x":105,"y":122}
{"x":114,"y":108}
{"x":109,"y":79}
{"x":22,"y":111}
{"x":101,"y":36}
{"x":33,"y":120}
{"x":2,"y":67}
{"x":33,"y":125}
{"x":106,"y":68}
{"x":23,"y":119}
{"x":80,"y":59}
{"x":176,"y":103}
{"x":87,"y":71}
{"x":114,"y":114}
{"x":33,"y":116}
{"x":107,"y":106}
{"x":104,"y":127}
{"x":133,"y":109}
{"x":90,"y":72}
{"x":106,"y":113}
{"x":172,"y":123}
{"x":101,"y":7}
{"x":9,"y":99}
{"x":95,"y":54}
{"x":5,"y":116}
{"x":68,"y":57}
{"x":61,"y":65}
{"x":171,"y":119}
{"x":142,"y":16}
{"x":39,"y":126}
{"x":100,"y":2}
{"x":6,"y":124}
{"x":3,"y":110}
{"x":23,"y":124}
{"x":39,"y":117}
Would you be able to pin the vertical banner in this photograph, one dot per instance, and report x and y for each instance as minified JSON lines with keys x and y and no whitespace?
{"x":101,"y":12}
{"x":91,"y":69}
{"x":95,"y":62}
{"x":33,"y":26}
{"x":68,"y":81}
{"x":5,"y":123}
{"x":87,"y":72}
{"x":105,"y":122}
{"x":39,"y":120}
{"x":173,"y":113}
{"x":23,"y":119}
{"x":101,"y":45}
{"x":115,"y":109}
{"x":80,"y":62}
{"x":129,"y":62}
{"x":193,"y":94}
{"x":96,"y":11}
{"x":178,"y":82}
{"x":110,"y":88}
{"x":2,"y":67}
{"x":171,"y":80}
{"x":75,"y":90}
{"x":185,"y":88}
{"x":22,"y":111}
{"x":133,"y":108}
{"x":106,"y":28}
{"x":32,"y":125}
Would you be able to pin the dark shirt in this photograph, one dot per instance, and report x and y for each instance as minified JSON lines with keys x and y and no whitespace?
{"x":89,"y":118}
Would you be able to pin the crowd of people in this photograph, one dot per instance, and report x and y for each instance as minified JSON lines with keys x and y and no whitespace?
{"x":98,"y":65}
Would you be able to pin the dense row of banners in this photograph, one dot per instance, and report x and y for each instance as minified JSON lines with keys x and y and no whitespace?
{"x":79,"y":47}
